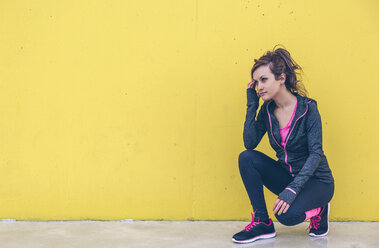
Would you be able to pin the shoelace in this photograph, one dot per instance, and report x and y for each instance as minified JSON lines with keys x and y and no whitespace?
{"x":314,"y":223}
{"x":252,"y":223}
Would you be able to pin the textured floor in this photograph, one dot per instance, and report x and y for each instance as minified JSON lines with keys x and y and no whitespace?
{"x":92,"y":234}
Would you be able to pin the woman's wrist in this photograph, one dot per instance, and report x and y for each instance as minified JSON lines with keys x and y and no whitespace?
{"x":288,"y":195}
{"x":252,"y":95}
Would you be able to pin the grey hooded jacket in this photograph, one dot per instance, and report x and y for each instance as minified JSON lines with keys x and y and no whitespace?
{"x":302,"y":155}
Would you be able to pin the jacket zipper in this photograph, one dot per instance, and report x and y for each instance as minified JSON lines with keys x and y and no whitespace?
{"x":285,"y":160}
{"x":285,"y":143}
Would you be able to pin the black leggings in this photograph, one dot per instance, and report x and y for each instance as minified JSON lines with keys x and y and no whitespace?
{"x":258,"y":169}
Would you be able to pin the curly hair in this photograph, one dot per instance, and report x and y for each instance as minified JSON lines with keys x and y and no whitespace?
{"x":280,"y":61}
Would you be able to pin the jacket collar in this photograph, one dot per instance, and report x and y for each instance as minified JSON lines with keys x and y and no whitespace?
{"x":301,"y":109}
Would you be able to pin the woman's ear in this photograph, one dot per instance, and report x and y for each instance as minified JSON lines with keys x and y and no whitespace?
{"x":282,"y":78}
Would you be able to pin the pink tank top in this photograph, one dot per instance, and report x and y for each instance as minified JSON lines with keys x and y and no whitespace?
{"x":284,"y":130}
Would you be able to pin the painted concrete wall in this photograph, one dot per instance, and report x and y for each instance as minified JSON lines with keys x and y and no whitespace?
{"x":135,"y":109}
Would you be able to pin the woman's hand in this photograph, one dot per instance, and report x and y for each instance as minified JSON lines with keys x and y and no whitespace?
{"x":280,"y":205}
{"x":251,"y":84}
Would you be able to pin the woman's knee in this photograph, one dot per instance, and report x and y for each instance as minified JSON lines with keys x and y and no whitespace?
{"x":249,"y":158}
{"x":245,"y":158}
{"x":289,"y":219}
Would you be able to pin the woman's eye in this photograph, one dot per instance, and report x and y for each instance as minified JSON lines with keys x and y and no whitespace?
{"x":263,"y":79}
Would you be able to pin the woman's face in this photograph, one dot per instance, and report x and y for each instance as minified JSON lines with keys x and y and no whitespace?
{"x":266,"y":84}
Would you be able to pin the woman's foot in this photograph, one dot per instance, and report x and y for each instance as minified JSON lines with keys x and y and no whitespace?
{"x":255,"y":230}
{"x":319,"y":225}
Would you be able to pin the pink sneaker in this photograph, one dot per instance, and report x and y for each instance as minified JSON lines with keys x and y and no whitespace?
{"x":319,"y":224}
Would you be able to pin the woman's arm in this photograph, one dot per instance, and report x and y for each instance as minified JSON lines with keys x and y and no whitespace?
{"x":314,"y":136}
{"x":253,"y":129}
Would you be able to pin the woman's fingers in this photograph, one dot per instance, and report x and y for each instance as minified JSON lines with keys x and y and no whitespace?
{"x":280,"y":206}
{"x":285,"y":210}
{"x":277,"y":205}
{"x":250,"y":84}
{"x":284,"y":206}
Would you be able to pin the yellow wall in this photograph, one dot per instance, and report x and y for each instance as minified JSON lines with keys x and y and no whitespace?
{"x":135,"y":109}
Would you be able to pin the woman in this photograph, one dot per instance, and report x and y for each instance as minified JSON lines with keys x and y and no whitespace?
{"x":301,"y":177}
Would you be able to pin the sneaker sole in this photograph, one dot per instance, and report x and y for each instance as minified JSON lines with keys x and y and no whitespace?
{"x":263,"y":236}
{"x":324,"y":234}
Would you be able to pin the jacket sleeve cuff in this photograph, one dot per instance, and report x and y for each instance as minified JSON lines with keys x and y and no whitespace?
{"x":288,"y":195}
{"x":252,"y":96}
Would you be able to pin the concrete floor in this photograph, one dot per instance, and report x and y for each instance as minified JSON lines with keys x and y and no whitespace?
{"x":92,"y":234}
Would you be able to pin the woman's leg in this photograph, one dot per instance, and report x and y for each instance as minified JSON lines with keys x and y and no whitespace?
{"x":258,"y":169}
{"x":311,"y":198}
